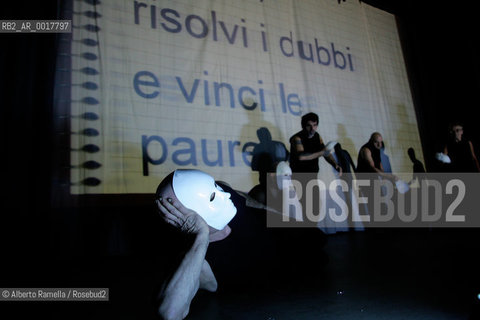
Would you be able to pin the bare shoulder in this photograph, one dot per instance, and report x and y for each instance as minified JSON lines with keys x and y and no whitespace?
{"x":296,"y":139}
{"x":365,"y":152}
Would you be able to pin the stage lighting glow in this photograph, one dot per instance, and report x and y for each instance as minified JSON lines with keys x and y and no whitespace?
{"x":188,"y":86}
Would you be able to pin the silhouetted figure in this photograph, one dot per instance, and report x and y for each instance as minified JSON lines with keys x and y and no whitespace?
{"x":418,"y":168}
{"x":265,"y":157}
{"x":267,"y":154}
{"x":344,"y":159}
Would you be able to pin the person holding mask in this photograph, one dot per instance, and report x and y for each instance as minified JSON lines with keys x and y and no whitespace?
{"x":191,"y":201}
{"x":460,"y":151}
{"x":306,"y":146}
{"x":369,"y":160}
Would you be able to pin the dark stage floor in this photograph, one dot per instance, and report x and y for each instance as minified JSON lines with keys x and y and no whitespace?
{"x":377,"y":274}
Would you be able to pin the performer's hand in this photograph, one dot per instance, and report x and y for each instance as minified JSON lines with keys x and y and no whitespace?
{"x":186,"y":220}
{"x":339,"y":169}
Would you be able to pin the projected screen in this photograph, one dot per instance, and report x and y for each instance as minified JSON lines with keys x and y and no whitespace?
{"x":161,"y":85}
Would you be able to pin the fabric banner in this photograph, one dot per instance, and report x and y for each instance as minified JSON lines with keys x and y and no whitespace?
{"x":161,"y":85}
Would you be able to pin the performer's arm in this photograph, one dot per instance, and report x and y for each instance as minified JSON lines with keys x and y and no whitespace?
{"x":193,"y":272}
{"x":367,"y":155}
{"x":474,"y":157}
{"x":302,"y":155}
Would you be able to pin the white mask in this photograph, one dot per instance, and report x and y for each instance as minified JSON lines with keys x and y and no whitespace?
{"x":197,"y":191}
{"x":329,"y":148}
{"x":284,"y":173}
